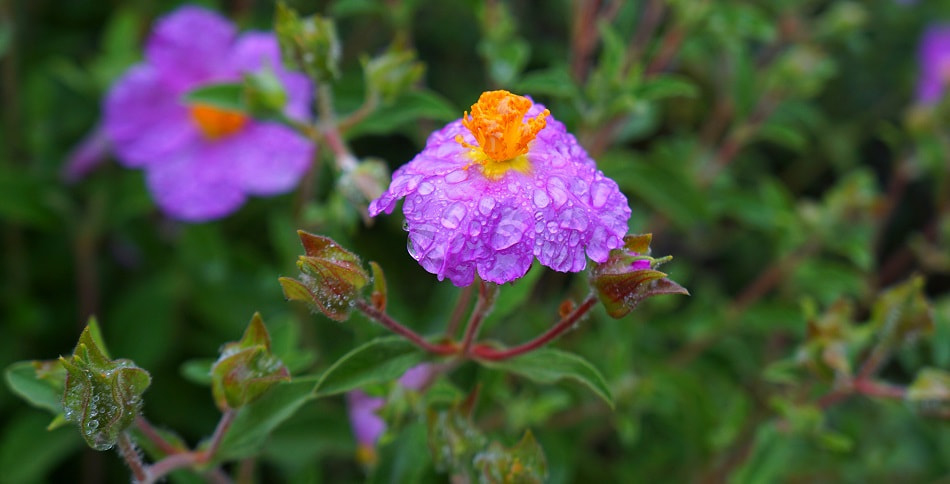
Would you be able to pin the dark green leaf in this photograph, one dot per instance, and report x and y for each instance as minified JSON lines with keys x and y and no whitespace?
{"x":229,"y":96}
{"x":381,"y":360}
{"x":550,"y":365}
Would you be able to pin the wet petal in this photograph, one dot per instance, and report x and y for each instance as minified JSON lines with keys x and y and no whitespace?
{"x":144,"y":119}
{"x":194,"y":186}
{"x":265,"y":158}
{"x":189,"y":46}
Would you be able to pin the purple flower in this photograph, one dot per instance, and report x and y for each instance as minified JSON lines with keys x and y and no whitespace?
{"x":367,"y":425}
{"x":934,"y":58}
{"x":497,"y":188}
{"x":201,"y":161}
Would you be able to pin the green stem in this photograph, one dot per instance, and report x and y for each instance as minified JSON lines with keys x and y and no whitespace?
{"x":491,"y":354}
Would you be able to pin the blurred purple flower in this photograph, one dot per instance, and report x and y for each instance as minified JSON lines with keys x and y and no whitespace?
{"x":934,"y":58}
{"x":202,"y":161}
{"x":87,"y":155}
{"x":497,"y":188}
{"x":367,"y":425}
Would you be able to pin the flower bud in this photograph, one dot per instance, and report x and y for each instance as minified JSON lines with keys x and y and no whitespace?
{"x":101,"y":395}
{"x":628,"y":277}
{"x":246,"y":369}
{"x":331,"y":277}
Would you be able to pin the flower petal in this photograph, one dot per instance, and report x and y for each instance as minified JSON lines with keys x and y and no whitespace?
{"x":265,"y":158}
{"x":144,"y":119}
{"x":193,"y":186}
{"x":190,"y":45}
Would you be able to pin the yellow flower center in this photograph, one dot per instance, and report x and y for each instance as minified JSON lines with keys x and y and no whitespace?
{"x":216,"y":123}
{"x":498,"y":124}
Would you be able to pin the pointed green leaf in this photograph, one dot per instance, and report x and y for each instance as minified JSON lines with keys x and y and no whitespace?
{"x":549,"y":365}
{"x":380,"y":360}
{"x":26,"y":379}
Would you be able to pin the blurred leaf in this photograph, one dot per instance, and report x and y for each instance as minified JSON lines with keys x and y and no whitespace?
{"x":378,"y":361}
{"x":930,"y":391}
{"x":513,"y":297}
{"x":554,"y":81}
{"x":404,"y":459}
{"x":198,"y":370}
{"x":548,"y":365}
{"x":667,"y":86}
{"x":24,"y":379}
{"x":227,"y":96}
{"x":407,"y":109}
{"x":26,"y":199}
{"x":28,"y":453}
{"x":255,"y":421}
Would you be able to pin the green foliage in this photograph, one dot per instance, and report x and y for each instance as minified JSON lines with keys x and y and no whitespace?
{"x":776,"y":149}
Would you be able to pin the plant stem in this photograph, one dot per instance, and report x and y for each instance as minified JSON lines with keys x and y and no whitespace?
{"x":170,"y":464}
{"x":491,"y":354}
{"x":486,"y":296}
{"x":151,"y":434}
{"x":223,"y":425}
{"x":460,"y":306}
{"x":391,"y":324}
{"x":132,"y":458}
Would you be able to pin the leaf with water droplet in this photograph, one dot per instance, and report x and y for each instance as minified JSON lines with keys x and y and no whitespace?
{"x":102,"y":396}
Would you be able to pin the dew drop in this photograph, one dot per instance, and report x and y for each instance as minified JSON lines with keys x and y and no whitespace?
{"x":453,"y":215}
{"x":426,"y":188}
{"x":508,"y":233}
{"x":557,"y":190}
{"x":599,"y":194}
{"x":456,"y":176}
{"x":474,"y":228}
{"x":541,"y":199}
{"x":485,"y":205}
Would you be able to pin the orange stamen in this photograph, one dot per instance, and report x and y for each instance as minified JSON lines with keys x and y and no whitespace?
{"x":498,"y":124}
{"x":216,"y":123}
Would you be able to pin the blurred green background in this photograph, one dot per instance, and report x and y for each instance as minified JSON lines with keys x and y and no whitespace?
{"x":773,"y":147}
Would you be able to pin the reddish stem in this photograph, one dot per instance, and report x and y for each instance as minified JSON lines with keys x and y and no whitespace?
{"x":151,"y":434}
{"x":131,"y":455}
{"x":487,"y":353}
{"x":391,"y":324}
{"x":486,"y":296}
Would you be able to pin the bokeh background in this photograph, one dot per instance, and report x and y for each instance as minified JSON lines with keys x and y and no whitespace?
{"x":776,"y":148}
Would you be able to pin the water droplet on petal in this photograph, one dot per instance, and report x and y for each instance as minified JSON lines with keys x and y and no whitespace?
{"x":541,"y":199}
{"x":456,"y":176}
{"x":599,"y":193}
{"x":574,"y":219}
{"x":474,"y":228}
{"x":485,"y":205}
{"x":509,"y":232}
{"x":557,"y":190}
{"x":453,"y":215}
{"x":426,"y":188}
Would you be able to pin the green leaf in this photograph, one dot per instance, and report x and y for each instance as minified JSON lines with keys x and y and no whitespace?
{"x":331,"y":277}
{"x":24,"y":379}
{"x":555,"y":82}
{"x":255,"y":421}
{"x":229,"y":96}
{"x":246,"y":369}
{"x":522,"y":463}
{"x":667,"y":86}
{"x":28,"y":453}
{"x":550,"y":365}
{"x":407,"y":109}
{"x":512,"y":296}
{"x":198,"y":370}
{"x":378,"y":361}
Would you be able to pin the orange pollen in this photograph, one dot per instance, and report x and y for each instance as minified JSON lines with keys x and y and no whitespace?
{"x":216,"y":123}
{"x":498,"y":124}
